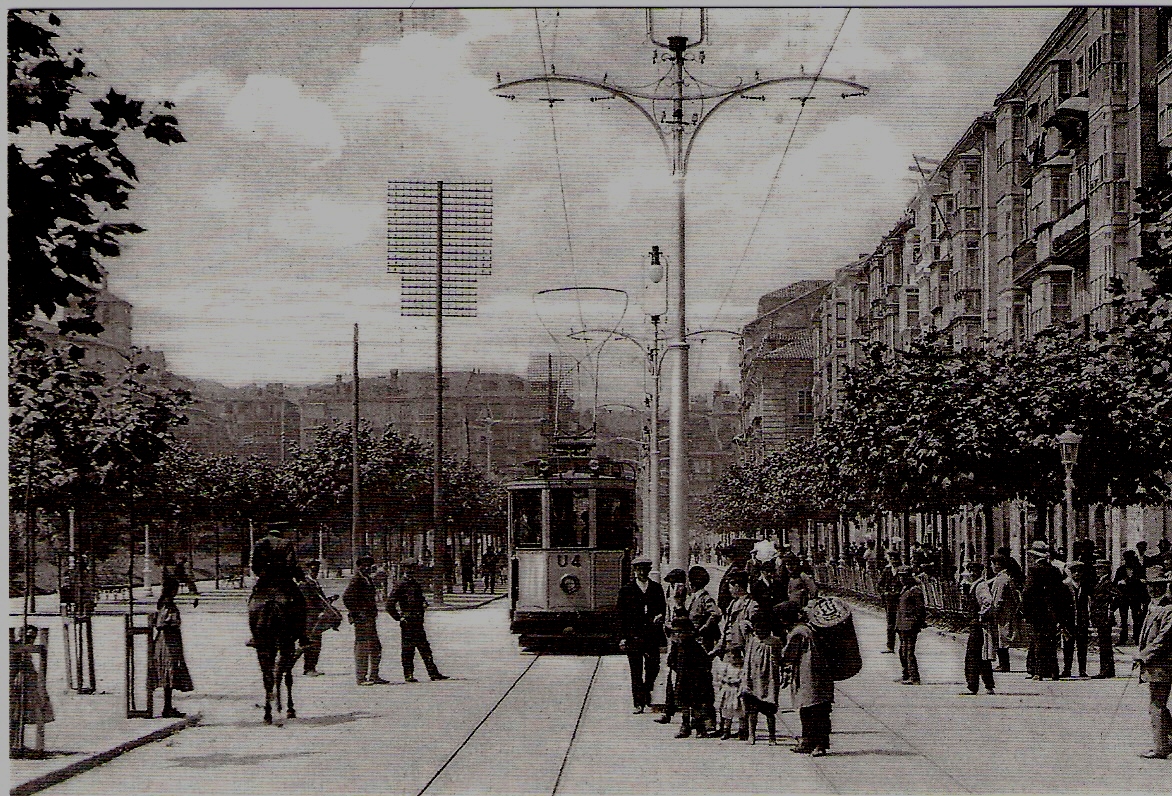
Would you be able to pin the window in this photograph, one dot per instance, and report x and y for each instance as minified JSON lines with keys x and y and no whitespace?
{"x":949,"y":205}
{"x":569,"y":520}
{"x":1079,"y":77}
{"x":1119,"y":76}
{"x":805,"y":405}
{"x":1095,"y":54}
{"x":971,"y":218}
{"x":1062,"y":80}
{"x":1059,"y":196}
{"x":616,"y":519}
{"x":972,"y":255}
{"x":1122,"y":197}
{"x":1118,"y":20}
{"x":527,"y":517}
{"x":840,"y":318}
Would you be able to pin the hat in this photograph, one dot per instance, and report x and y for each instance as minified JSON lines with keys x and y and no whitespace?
{"x":1102,"y":563}
{"x":1039,"y":549}
{"x":904,"y":570}
{"x":1157,"y":574}
{"x":364,"y":560}
{"x":313,"y":562}
{"x":699,"y":576}
{"x":409,"y":562}
{"x":764,"y":550}
{"x":788,"y":613}
{"x":761,"y":618}
{"x":738,"y":577}
{"x":677,"y":575}
{"x":682,"y":624}
{"x":641,"y":561}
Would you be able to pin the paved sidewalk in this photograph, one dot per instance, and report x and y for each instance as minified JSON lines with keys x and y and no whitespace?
{"x":92,"y":729}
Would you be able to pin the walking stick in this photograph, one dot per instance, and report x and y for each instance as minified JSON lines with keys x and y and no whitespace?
{"x":1122,"y":694}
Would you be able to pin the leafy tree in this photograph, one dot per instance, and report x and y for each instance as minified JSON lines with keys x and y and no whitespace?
{"x":68,"y":178}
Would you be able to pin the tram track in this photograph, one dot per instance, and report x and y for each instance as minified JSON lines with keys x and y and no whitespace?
{"x":463,"y":763}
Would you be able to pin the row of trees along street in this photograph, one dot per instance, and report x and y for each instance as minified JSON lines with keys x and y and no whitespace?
{"x":109,"y":452}
{"x":931,"y":429}
{"x":105,"y":446}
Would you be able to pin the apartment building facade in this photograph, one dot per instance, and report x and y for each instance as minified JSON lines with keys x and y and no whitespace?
{"x":777,"y":378}
{"x":1025,"y":223}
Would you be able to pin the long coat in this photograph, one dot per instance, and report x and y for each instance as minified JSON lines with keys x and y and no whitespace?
{"x":1006,"y":603}
{"x":911,"y":616}
{"x":1155,"y":643}
{"x":1046,"y":602}
{"x":810,"y":683}
{"x":168,"y":668}
{"x":692,"y":674}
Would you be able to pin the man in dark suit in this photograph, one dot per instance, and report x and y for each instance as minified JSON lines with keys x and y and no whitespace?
{"x":890,"y":588}
{"x":911,"y":617}
{"x":467,"y":570}
{"x":1046,"y":604}
{"x":361,"y":601}
{"x":642,"y":606}
{"x":406,"y":606}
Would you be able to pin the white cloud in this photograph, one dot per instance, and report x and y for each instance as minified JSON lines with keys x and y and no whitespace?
{"x":274,"y":110}
{"x":324,"y":223}
{"x":222,"y":194}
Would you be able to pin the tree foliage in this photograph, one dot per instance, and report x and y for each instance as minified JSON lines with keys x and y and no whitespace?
{"x":68,"y":177}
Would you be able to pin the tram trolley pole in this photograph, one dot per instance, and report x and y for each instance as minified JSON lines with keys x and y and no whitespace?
{"x":133,"y":630}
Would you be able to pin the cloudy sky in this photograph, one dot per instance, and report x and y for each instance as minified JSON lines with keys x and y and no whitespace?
{"x":266,"y":231}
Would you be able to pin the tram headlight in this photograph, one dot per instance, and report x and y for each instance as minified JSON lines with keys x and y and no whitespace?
{"x":570,"y":584}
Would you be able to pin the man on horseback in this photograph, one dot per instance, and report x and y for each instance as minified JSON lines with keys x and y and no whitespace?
{"x":274,"y":561}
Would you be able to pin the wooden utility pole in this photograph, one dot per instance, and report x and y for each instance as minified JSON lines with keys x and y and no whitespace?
{"x":438,"y":283}
{"x":354,"y":481}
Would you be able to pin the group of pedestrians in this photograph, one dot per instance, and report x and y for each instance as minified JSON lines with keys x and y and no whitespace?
{"x":406,"y":605}
{"x":729,"y":657}
{"x":489,"y":568}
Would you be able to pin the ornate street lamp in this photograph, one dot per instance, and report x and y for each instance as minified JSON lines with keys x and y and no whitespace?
{"x":1068,"y":451}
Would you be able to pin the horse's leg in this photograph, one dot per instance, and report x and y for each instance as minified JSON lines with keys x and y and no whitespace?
{"x":266,"y":671}
{"x":290,"y":713}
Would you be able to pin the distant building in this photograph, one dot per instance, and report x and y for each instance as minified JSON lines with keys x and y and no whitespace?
{"x":493,"y":419}
{"x":777,"y":368}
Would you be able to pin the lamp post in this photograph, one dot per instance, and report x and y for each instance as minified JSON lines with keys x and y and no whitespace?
{"x":1068,"y":450}
{"x":677,"y":131}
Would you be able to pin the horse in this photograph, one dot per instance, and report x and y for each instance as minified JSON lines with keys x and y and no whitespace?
{"x":274,"y":634}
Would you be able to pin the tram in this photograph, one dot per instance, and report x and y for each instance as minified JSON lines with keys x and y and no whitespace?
{"x":571,"y":535}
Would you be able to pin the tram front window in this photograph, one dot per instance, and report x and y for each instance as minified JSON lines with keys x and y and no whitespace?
{"x":569,"y":522}
{"x":616,"y":511}
{"x":527,"y":518}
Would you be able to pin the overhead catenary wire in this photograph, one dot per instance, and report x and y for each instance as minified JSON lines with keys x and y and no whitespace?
{"x":558,"y":159}
{"x":781,"y":164}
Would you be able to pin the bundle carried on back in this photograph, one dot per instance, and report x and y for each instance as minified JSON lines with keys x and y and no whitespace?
{"x":834,"y":632}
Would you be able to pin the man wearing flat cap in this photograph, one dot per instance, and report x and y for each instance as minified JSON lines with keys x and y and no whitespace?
{"x":361,"y":601}
{"x":642,"y":608}
{"x":1154,"y":660}
{"x":406,"y":606}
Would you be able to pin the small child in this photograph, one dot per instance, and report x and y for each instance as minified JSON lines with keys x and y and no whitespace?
{"x":168,"y":669}
{"x":691,"y":677}
{"x":729,"y":700}
{"x":760,"y":677}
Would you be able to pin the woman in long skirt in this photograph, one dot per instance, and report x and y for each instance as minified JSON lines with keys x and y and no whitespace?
{"x":168,"y":668}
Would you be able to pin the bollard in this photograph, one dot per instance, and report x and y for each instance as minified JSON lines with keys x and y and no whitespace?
{"x":133,"y":631}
